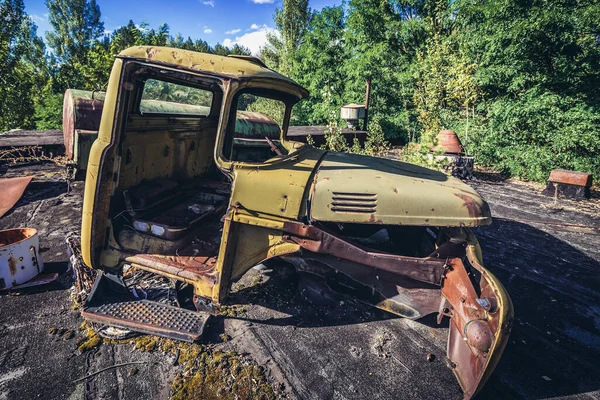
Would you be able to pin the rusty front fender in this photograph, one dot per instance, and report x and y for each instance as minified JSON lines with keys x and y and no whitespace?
{"x":473,"y":358}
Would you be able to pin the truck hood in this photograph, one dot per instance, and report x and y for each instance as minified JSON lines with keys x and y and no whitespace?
{"x":360,"y":189}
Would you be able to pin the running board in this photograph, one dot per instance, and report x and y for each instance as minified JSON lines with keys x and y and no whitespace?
{"x":143,"y":316}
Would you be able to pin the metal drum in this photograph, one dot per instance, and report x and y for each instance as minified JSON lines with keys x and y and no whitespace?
{"x":20,"y":260}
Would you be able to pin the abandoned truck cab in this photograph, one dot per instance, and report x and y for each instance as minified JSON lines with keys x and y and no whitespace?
{"x":193,"y":177}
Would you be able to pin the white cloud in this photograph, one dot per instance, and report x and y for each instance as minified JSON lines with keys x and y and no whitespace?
{"x":233,"y":31}
{"x":208,"y":31}
{"x":37,"y":18}
{"x":255,"y":27}
{"x":208,"y":3}
{"x":108,"y":32}
{"x":254,"y":41}
{"x":263,"y":1}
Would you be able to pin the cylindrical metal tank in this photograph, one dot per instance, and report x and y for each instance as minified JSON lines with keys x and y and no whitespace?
{"x":253,"y":125}
{"x":20,"y":260}
{"x":82,"y":110}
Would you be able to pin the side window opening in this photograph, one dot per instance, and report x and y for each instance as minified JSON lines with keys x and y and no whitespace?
{"x":257,"y":128}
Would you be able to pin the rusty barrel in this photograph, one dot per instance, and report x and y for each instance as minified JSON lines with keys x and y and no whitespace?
{"x":20,"y":260}
{"x":82,"y":111}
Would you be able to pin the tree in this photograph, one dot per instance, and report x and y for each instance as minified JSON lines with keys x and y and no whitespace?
{"x":76,"y":25}
{"x":318,"y":66}
{"x":22,"y":66}
{"x":537,"y":66}
{"x":379,"y":48}
{"x":292,"y":21}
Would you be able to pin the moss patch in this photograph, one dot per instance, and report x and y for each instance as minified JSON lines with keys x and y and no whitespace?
{"x":205,"y":373}
{"x":209,"y":374}
{"x":232,"y":311}
{"x":90,"y":339}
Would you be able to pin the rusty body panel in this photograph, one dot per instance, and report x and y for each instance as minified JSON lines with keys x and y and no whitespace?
{"x":12,"y":189}
{"x":429,"y":270}
{"x":168,"y":193}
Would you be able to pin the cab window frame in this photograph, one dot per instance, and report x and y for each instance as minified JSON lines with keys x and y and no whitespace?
{"x":228,"y":140}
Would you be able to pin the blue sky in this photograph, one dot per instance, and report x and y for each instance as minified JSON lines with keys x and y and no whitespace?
{"x":217,"y":21}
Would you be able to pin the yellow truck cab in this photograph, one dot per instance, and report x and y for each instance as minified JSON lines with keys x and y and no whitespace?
{"x":193,"y":177}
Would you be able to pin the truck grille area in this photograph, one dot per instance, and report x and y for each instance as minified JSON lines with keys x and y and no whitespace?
{"x":354,"y":202}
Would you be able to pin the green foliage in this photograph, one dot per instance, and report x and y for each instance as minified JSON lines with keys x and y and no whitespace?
{"x":539,"y":131}
{"x":48,"y":111}
{"x":516,"y":80}
{"x":317,"y":66}
{"x":375,"y":143}
{"x":22,"y":66}
{"x":274,"y":109}
{"x":81,"y":57}
{"x":76,"y":26}
{"x":292,"y":20}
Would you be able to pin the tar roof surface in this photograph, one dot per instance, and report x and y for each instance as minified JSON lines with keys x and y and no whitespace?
{"x":231,"y":66}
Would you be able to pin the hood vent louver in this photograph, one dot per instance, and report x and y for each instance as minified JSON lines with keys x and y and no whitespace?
{"x":354,"y":202}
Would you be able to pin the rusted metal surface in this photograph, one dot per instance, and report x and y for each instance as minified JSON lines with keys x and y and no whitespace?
{"x":42,"y":279}
{"x":480,"y":319}
{"x":386,"y":290}
{"x":253,"y":125}
{"x":82,"y":110}
{"x":406,"y":194}
{"x":568,"y":184}
{"x":295,"y":206}
{"x":352,"y":113}
{"x":449,"y":143}
{"x":185,"y":268}
{"x":19,"y":257}
{"x":566,"y":191}
{"x":479,"y":324}
{"x":311,"y":238}
{"x":367,"y":101}
{"x":150,"y":317}
{"x":570,"y":177}
{"x":12,"y":189}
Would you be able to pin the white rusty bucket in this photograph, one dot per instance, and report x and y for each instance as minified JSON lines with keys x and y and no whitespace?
{"x":19,"y":256}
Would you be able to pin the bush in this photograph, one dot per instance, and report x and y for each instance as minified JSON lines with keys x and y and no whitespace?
{"x":48,"y":112}
{"x":539,"y":131}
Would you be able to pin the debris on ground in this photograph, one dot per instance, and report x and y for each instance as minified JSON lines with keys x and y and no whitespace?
{"x":12,"y":189}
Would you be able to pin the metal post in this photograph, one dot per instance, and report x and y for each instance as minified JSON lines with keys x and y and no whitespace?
{"x":367,"y":98}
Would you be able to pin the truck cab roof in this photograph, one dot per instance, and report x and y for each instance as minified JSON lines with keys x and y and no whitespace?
{"x":231,"y":67}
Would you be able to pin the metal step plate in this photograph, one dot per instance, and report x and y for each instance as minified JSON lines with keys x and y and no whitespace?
{"x":150,"y":317}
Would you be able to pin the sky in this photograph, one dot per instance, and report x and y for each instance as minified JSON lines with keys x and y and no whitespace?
{"x":245,"y":22}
